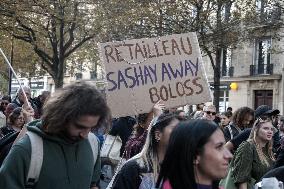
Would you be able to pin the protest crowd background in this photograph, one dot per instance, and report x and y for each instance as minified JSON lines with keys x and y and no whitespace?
{"x":153,"y":124}
{"x":164,"y":148}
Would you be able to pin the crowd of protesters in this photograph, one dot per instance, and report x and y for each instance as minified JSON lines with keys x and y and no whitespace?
{"x":7,"y":105}
{"x":162,"y":149}
{"x":245,"y":144}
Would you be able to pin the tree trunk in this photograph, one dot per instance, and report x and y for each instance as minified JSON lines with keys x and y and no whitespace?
{"x":58,"y":71}
{"x":58,"y":81}
{"x":217,"y":78}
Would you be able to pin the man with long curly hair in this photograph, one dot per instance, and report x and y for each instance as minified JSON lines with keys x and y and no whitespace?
{"x":242,"y":118}
{"x":68,"y":162}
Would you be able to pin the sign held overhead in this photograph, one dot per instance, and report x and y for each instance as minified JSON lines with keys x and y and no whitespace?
{"x":141,"y":72}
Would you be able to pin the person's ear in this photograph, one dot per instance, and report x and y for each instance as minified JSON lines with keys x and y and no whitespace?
{"x":197,"y":160}
{"x":158,"y":135}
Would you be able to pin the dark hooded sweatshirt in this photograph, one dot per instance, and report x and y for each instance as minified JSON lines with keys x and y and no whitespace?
{"x":65,"y":165}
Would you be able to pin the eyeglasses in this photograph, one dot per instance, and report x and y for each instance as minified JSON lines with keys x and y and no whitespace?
{"x":212,"y":113}
{"x":4,"y":103}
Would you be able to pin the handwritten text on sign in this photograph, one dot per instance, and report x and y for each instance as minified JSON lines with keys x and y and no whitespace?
{"x":142,"y":72}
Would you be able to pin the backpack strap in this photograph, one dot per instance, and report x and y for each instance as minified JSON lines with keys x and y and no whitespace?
{"x":93,"y":140}
{"x":36,"y":159}
{"x":37,"y":156}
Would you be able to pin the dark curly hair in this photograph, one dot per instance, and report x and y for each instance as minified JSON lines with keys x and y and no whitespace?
{"x":14,"y":115}
{"x":240,"y":114}
{"x":71,"y":102}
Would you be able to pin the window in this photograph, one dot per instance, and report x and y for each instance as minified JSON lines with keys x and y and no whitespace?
{"x":263,"y":6}
{"x":223,"y":100}
{"x":262,"y":55}
{"x":226,"y":61}
{"x":259,"y":5}
{"x":269,"y":11}
{"x":78,"y":76}
{"x":193,"y":12}
{"x":93,"y":74}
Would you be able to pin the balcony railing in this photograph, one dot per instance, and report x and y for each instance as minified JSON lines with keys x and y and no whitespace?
{"x":270,"y":15}
{"x":261,"y":69}
{"x":266,"y":17}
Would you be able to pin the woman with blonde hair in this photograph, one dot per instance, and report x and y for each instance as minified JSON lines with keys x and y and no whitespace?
{"x":254,"y":157}
{"x":141,"y":171}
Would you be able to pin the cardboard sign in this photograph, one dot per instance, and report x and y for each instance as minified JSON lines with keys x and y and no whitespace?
{"x":141,"y":72}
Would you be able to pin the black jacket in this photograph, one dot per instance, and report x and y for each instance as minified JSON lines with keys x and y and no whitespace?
{"x":122,"y":127}
{"x":230,"y":132}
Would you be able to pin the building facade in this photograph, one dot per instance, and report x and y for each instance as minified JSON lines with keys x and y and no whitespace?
{"x":96,"y":76}
{"x":37,"y":85}
{"x":256,"y":68}
{"x":257,"y":71}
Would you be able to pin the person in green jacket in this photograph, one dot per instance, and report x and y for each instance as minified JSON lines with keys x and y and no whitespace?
{"x":254,"y":157}
{"x":68,"y":162}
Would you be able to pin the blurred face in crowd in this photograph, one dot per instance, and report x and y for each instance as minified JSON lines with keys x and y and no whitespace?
{"x":181,"y":115}
{"x":20,"y":121}
{"x":266,"y":131}
{"x":164,"y":136}
{"x":280,"y":124}
{"x":10,"y":107}
{"x":22,"y":96}
{"x":172,"y":110}
{"x":224,"y":120}
{"x":80,"y":129}
{"x":212,"y":163}
{"x":275,"y":119}
{"x":200,"y":106}
{"x":247,"y":120}
{"x":210,"y":113}
{"x":4,"y":104}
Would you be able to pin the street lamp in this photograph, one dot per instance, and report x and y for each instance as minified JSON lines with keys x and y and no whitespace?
{"x":234,"y":86}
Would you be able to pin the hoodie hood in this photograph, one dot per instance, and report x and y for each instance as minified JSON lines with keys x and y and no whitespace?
{"x":36,"y":127}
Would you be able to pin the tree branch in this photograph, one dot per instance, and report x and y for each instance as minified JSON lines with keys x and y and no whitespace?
{"x":78,"y":45}
{"x":43,"y":55}
{"x":30,"y":31}
{"x":72,"y":28}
